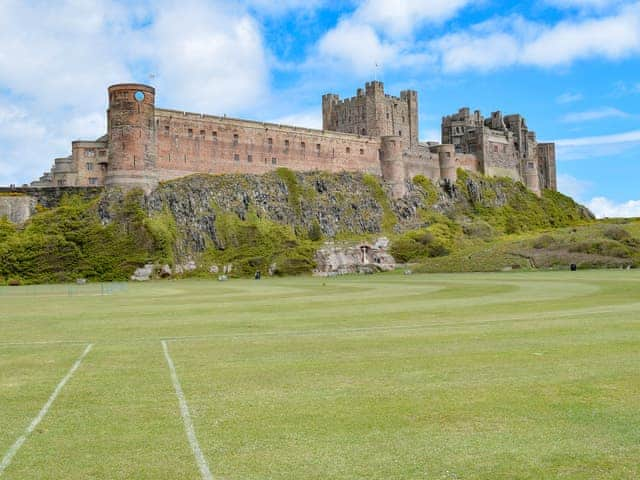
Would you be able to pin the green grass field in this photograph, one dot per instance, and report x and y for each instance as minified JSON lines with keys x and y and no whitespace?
{"x":443,"y":376}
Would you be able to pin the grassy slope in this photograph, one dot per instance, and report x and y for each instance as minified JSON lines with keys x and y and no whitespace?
{"x":593,"y":245}
{"x":490,"y":376}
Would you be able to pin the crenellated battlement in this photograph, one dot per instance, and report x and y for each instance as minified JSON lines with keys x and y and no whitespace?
{"x":371,"y":132}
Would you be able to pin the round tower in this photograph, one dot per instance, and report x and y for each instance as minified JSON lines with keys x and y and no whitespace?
{"x":447,"y":160}
{"x":531,"y":177}
{"x":132,"y":138}
{"x":391,"y":164}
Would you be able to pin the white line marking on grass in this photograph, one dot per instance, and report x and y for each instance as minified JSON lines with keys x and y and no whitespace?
{"x":6,"y":460}
{"x":186,"y":418}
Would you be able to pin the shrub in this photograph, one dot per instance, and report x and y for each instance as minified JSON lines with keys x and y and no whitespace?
{"x":315,"y":232}
{"x":543,"y":241}
{"x":430,"y":190}
{"x":389,"y":219}
{"x":607,"y":248}
{"x":478,"y":229}
{"x":616,"y":233}
{"x":406,"y":249}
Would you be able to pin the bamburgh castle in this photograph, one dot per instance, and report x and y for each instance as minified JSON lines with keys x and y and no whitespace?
{"x":372,"y":132}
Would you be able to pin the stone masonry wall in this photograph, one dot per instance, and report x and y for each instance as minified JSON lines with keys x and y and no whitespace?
{"x":191,"y":143}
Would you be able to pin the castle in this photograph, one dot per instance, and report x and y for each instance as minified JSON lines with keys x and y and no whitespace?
{"x":372,"y":132}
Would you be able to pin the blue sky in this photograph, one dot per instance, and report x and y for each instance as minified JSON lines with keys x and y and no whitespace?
{"x":571,"y":67}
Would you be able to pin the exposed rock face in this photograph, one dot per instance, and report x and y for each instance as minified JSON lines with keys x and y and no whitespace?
{"x":143,"y":274}
{"x":340,"y":259}
{"x":337,"y":202}
{"x":17,"y":209}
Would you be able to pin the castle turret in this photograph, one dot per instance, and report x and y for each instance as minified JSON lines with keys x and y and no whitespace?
{"x":531,"y":177}
{"x":329,"y":101}
{"x":131,"y":133}
{"x":447,"y":160}
{"x":411,"y":97}
{"x":392,"y":165}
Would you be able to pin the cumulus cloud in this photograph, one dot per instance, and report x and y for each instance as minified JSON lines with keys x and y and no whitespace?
{"x":57,"y":58}
{"x":598,"y":114}
{"x":603,"y":207}
{"x":380,"y":32}
{"x":402,"y":17}
{"x":207,"y":58}
{"x":515,"y":41}
{"x":356,"y":45}
{"x":572,"y":186}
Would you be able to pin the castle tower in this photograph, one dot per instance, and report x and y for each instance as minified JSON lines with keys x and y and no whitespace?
{"x":329,"y":101}
{"x":447,"y":160}
{"x":532,"y":180}
{"x":132,"y":138}
{"x":411,"y":98}
{"x":392,"y":165}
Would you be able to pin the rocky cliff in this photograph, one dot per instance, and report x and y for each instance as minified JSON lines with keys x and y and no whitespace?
{"x":349,"y":204}
{"x":274,"y":222}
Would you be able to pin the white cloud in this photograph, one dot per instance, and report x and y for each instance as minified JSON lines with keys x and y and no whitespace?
{"x":207,"y":58}
{"x":617,"y":138}
{"x":57,"y":59}
{"x":356,"y":46}
{"x":609,"y":37}
{"x":573,"y":186}
{"x":585,"y":4}
{"x":307,"y":119}
{"x":281,"y":7}
{"x":380,"y":32}
{"x":509,"y":41}
{"x":400,"y":17}
{"x":603,"y":207}
{"x":569,"y":97}
{"x":598,"y":114}
{"x":601,"y":146}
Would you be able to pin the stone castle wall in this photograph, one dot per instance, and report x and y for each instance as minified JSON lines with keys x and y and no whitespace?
{"x":372,"y":132}
{"x":193,"y":143}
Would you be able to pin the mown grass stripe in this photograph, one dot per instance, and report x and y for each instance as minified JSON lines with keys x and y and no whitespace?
{"x":186,"y":418}
{"x":8,"y":457}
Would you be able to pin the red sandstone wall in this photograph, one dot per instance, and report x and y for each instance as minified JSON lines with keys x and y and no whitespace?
{"x":191,"y":143}
{"x":468,"y":161}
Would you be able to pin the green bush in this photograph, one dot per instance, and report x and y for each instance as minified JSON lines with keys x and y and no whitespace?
{"x":608,"y":248}
{"x":478,"y":228}
{"x":7,"y":229}
{"x":293,"y":188}
{"x":616,"y":233}
{"x":70,"y":241}
{"x":315,"y":232}
{"x":543,"y":241}
{"x":431,"y":191}
{"x":389,"y":219}
{"x":257,"y":243}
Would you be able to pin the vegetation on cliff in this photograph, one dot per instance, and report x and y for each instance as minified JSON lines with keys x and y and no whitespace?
{"x":275,"y":222}
{"x":70,"y":241}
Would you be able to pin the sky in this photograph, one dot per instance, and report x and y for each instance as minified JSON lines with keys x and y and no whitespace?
{"x":570,"y":67}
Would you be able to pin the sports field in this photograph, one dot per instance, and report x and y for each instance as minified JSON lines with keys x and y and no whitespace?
{"x":465,"y":376}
